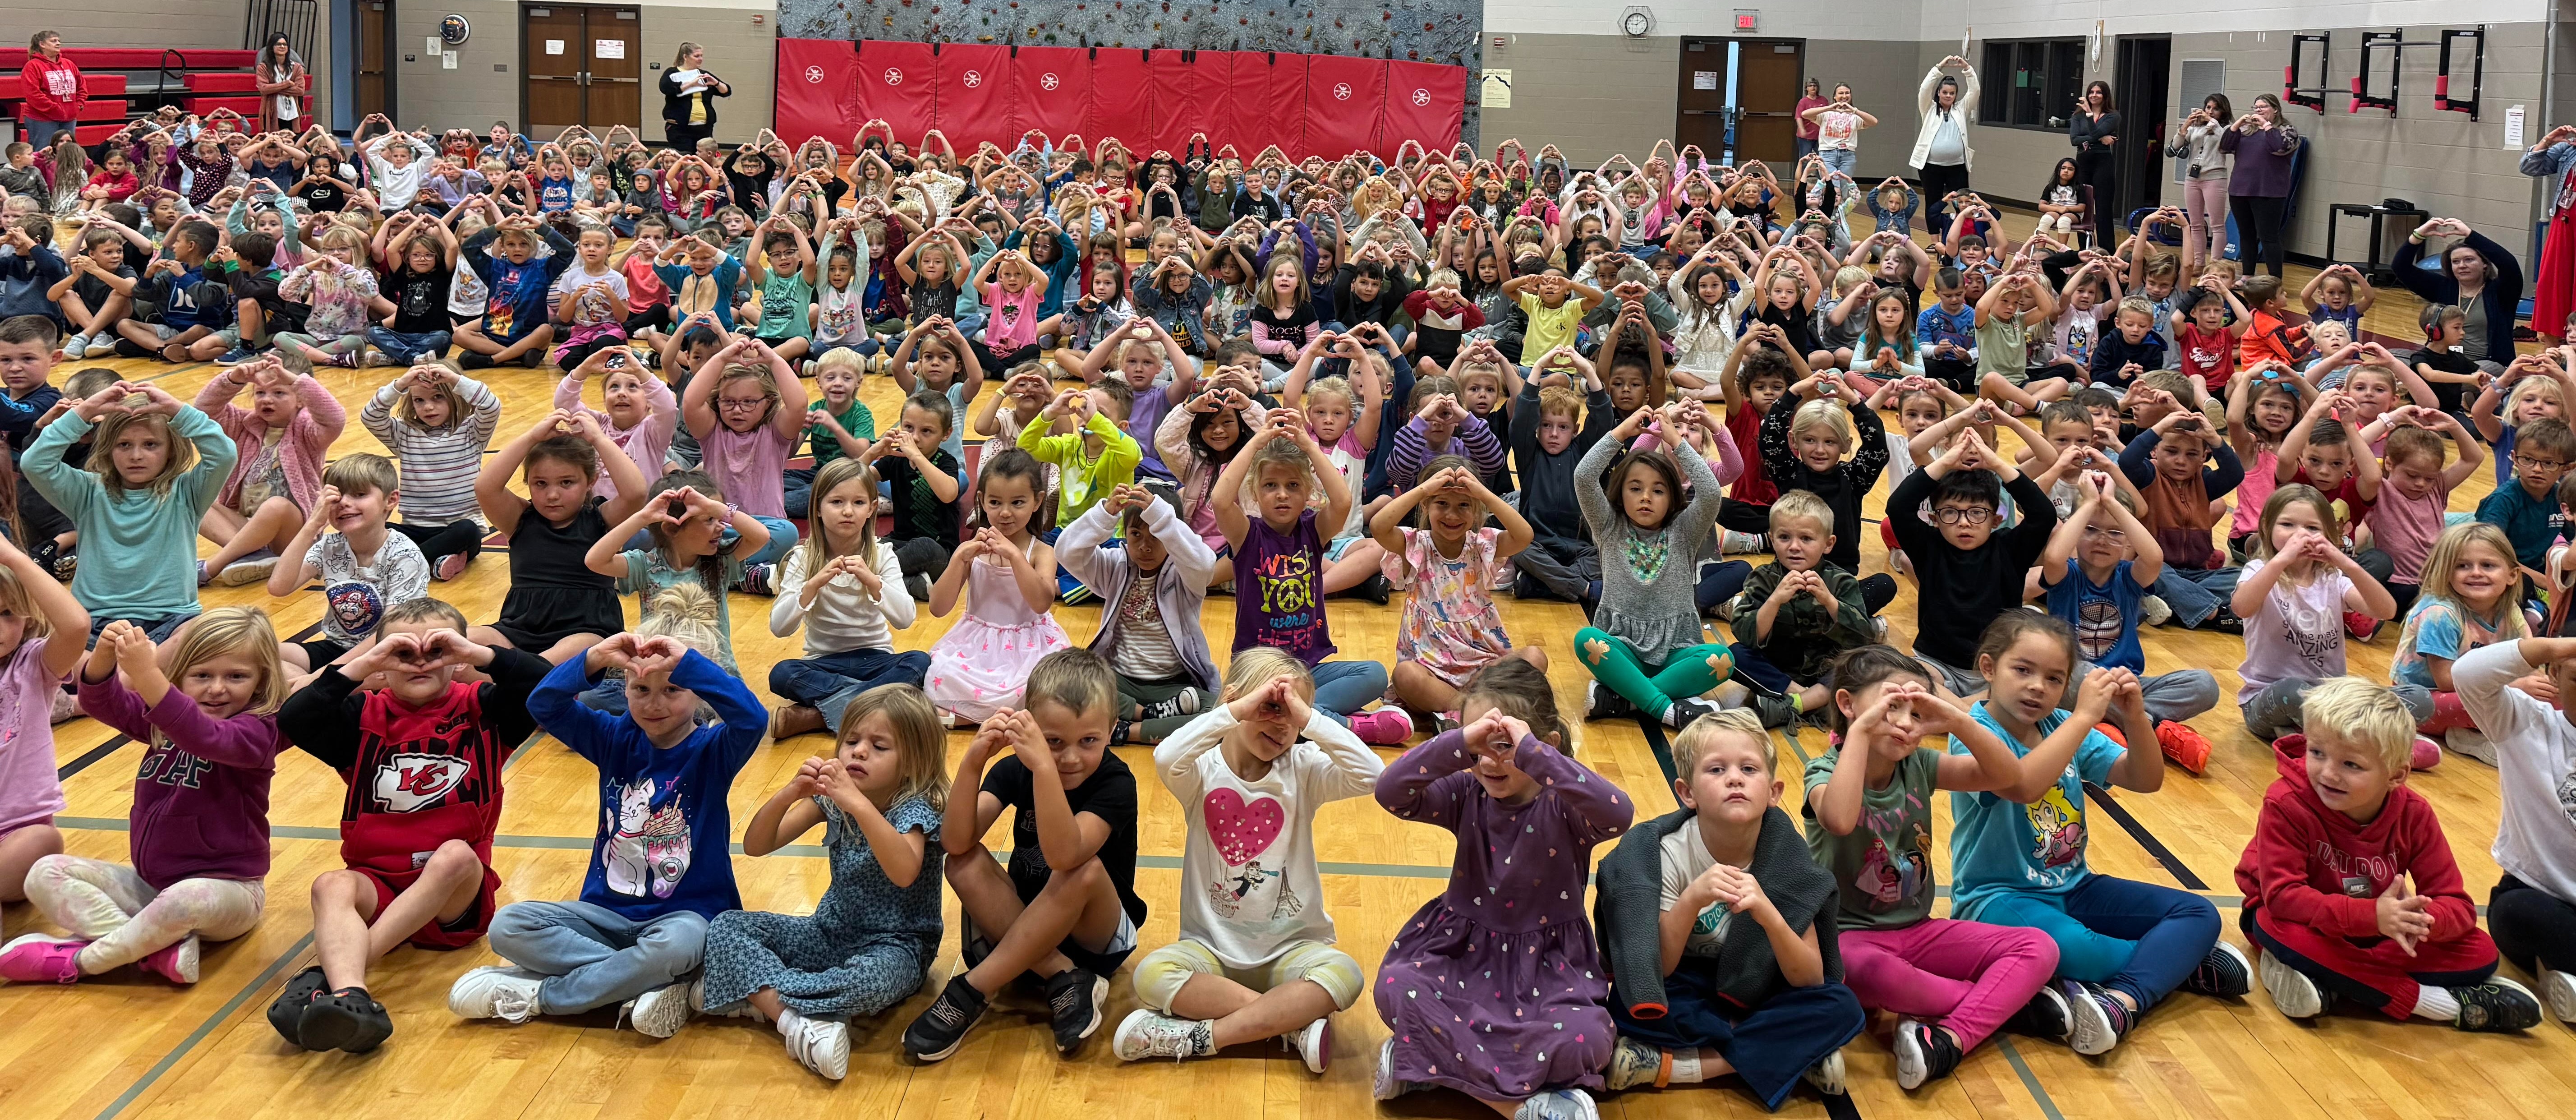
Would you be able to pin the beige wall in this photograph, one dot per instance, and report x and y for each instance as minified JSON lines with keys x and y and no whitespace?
{"x":485,"y":85}
{"x":185,"y":24}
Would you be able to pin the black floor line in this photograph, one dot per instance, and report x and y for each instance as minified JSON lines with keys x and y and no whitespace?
{"x":2173,"y":864}
{"x":1840,"y":1107}
{"x":91,"y":757}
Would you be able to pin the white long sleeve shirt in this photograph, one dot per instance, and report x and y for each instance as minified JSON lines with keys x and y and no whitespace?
{"x":2535,"y":768}
{"x":842,"y":616}
{"x":1249,"y":888}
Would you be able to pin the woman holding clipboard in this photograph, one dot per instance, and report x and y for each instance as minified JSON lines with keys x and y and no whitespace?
{"x":688,"y":99}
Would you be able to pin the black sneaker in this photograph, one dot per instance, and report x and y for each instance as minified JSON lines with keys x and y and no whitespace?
{"x":2225,"y":622}
{"x":1182,"y":703}
{"x":348,"y":1019}
{"x":287,"y":1014}
{"x":943,"y":1025}
{"x":1776,"y":711}
{"x":1375,"y":589}
{"x":1685,"y":710}
{"x":471,"y":360}
{"x":1924,"y":1052}
{"x":918,"y":586}
{"x":2224,"y":972}
{"x":2045,"y":1016}
{"x":755,"y":579}
{"x":536,"y":356}
{"x":1120,"y":731}
{"x":2497,"y":1006}
{"x":1605,"y":703}
{"x":1073,"y":999}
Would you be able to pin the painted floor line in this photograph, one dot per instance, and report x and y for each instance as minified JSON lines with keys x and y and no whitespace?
{"x":205,"y":1030}
{"x":2029,"y":1080}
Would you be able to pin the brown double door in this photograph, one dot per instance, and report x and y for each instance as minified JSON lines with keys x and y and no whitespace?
{"x":580,"y":65}
{"x":1739,"y":97}
{"x":374,"y":71}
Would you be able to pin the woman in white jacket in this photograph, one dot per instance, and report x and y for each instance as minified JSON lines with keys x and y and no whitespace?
{"x":1941,"y":151}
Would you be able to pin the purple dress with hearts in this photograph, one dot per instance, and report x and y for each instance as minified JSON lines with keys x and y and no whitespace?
{"x":1496,"y":988}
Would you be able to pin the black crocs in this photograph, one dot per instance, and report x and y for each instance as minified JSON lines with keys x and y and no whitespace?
{"x":287,"y":1014}
{"x":347,"y":1019}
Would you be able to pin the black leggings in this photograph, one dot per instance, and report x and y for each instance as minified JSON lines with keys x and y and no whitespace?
{"x":684,"y":137}
{"x":1939,"y":180}
{"x":2258,"y":231}
{"x":2532,"y":928}
{"x":2101,"y":168}
{"x":438,"y":542}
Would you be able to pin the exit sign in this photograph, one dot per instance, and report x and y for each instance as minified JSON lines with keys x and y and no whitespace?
{"x":1748,"y":19}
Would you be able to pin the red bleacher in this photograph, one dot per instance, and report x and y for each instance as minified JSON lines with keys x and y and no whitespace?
{"x":205,"y":80}
{"x":138,"y":58}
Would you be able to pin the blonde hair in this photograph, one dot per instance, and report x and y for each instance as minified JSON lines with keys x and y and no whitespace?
{"x":2355,"y":711}
{"x":834,"y":475}
{"x":1557,"y":400}
{"x":1823,"y":413}
{"x":921,"y":745}
{"x":1848,"y":277}
{"x":1704,"y":732}
{"x":2445,"y":555}
{"x":1075,"y":679}
{"x":15,"y":599}
{"x":1255,"y":667}
{"x":684,"y":611}
{"x":842,"y":358}
{"x":1332,"y":387}
{"x":178,"y":455}
{"x":225,"y":632}
{"x":1802,"y":505}
{"x":2532,"y":386}
{"x":457,"y":408}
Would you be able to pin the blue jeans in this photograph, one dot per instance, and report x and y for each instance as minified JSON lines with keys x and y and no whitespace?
{"x":2195,"y":594}
{"x":1839,"y":159}
{"x":800,"y":492}
{"x":782,"y":536}
{"x":1806,"y":147}
{"x":409,"y":348}
{"x":2132,"y":937}
{"x":1344,"y":687}
{"x":593,"y":956}
{"x":156,"y":627}
{"x":831,"y":681}
{"x":40,"y":133}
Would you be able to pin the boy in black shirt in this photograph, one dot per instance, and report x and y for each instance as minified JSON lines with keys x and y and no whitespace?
{"x":1551,"y":429}
{"x":924,"y":485}
{"x":1066,"y":909}
{"x":1967,"y":573}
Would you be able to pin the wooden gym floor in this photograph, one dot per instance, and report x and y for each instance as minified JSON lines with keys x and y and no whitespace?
{"x":128,"y":1047}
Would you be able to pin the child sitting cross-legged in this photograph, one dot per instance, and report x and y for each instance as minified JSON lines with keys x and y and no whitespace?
{"x":1151,"y":594}
{"x":1797,"y":613}
{"x":1969,"y":567}
{"x":1253,"y":923}
{"x":1448,"y":563}
{"x":2350,"y":888}
{"x":2097,"y":570}
{"x":1718,"y":929}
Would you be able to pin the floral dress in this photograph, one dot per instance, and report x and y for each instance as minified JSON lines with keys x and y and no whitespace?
{"x":865,"y":948}
{"x":1450,"y":625}
{"x":981,"y":665}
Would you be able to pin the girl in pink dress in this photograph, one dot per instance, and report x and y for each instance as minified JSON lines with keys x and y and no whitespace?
{"x":1008,"y":574}
{"x":1450,"y":562}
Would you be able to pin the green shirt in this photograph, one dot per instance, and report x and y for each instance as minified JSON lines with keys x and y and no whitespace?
{"x":2003,"y":346}
{"x":1081,"y":480}
{"x":1884,"y":867}
{"x":784,"y":298}
{"x":857,"y":420}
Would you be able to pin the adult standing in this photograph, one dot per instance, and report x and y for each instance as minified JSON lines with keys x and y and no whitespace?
{"x":2205,"y":172}
{"x":688,"y":99}
{"x":1838,"y":127}
{"x":2477,"y":274}
{"x":282,"y":84}
{"x":2555,"y":155}
{"x":1941,"y":153}
{"x":2258,"y":189}
{"x":52,"y":88}
{"x":2093,"y":129}
{"x":1811,"y":97}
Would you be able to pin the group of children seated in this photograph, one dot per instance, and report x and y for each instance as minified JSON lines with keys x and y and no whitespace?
{"x":1438,"y":376}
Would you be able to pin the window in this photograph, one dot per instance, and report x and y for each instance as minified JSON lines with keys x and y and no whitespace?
{"x":2031,"y":83}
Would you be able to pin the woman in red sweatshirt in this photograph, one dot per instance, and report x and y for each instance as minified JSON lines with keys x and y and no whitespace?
{"x":2350,"y":888}
{"x":53,"y":88}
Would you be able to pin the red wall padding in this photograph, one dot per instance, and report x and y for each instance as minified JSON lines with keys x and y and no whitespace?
{"x":1326,"y":105}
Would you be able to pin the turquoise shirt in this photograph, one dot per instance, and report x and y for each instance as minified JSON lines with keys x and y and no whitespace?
{"x":138,"y":549}
{"x":2000,"y":847}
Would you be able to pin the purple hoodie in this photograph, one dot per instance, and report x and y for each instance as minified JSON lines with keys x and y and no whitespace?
{"x":201,"y":798}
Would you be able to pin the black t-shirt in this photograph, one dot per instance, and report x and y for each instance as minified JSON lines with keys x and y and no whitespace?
{"x":260,"y":286}
{"x":918,"y":512}
{"x":927,"y":300}
{"x":323,"y":198}
{"x":94,"y":292}
{"x":2453,"y":360}
{"x":419,"y":299}
{"x":1109,"y":794}
{"x":1962,"y":591}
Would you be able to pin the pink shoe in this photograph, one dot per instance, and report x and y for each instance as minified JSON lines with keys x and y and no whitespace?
{"x":452,"y":565}
{"x":2428,"y":754}
{"x":176,"y":963}
{"x":39,"y":958}
{"x":1388,"y":726}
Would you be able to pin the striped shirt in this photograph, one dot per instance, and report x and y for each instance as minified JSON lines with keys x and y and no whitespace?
{"x":438,"y":464}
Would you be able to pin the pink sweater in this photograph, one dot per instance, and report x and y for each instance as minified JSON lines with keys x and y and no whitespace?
{"x":306,"y":444}
{"x":646,"y":443}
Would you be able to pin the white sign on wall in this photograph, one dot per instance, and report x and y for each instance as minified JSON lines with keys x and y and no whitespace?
{"x":554,"y":46}
{"x":1497,"y":91}
{"x":608,"y":48}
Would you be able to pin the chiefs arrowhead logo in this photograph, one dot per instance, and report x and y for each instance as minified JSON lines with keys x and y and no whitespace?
{"x":410,"y":781}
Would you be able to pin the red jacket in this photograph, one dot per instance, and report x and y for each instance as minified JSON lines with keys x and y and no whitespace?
{"x":53,"y":89}
{"x":2313,"y":866}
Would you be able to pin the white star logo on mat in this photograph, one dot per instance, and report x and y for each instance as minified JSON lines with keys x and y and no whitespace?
{"x":893,"y":77}
{"x":814,"y":75}
{"x":1341,"y":91}
{"x":974,"y":78}
{"x":1422,"y":97}
{"x":1048,"y":82}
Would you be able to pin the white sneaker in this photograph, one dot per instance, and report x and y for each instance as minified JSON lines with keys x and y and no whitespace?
{"x":664,"y":1010}
{"x":1313,"y":1042}
{"x":74,"y":346}
{"x":1383,"y":1084}
{"x":1558,"y":1104}
{"x":505,"y":993}
{"x":1827,"y":1075}
{"x":821,"y":1045}
{"x":2154,"y":611}
{"x":2558,"y":990}
{"x":2292,"y":992}
{"x":1150,"y":1034}
{"x":2471,"y":742}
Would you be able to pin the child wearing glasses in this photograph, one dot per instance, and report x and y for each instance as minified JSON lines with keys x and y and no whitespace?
{"x":1968,"y":568}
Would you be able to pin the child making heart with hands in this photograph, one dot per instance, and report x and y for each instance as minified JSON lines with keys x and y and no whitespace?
{"x":1450,"y":560}
{"x":1007,"y":574}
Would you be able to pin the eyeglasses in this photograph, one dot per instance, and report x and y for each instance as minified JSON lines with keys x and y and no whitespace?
{"x":731,"y":405}
{"x":2543,"y":466}
{"x":1978,"y":515}
{"x":2115,"y":536}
